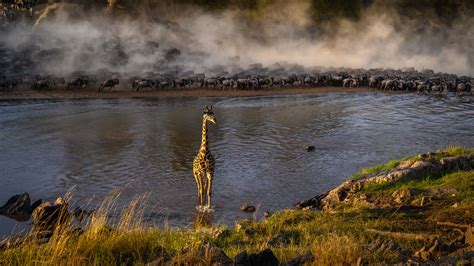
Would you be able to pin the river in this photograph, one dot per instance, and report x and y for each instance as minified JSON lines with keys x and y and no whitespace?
{"x":146,"y":146}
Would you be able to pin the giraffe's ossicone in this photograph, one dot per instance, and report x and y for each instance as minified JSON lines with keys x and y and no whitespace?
{"x":203,"y":164}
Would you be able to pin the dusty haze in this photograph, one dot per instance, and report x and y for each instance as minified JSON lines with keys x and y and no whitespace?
{"x":66,"y":37}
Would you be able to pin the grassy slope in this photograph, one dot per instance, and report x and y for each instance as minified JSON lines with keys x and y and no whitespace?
{"x":335,"y":237}
{"x":449,"y":152}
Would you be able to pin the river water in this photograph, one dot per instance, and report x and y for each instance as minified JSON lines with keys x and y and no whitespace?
{"x":146,"y":146}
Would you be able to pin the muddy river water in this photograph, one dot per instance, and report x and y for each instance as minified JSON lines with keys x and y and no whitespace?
{"x":146,"y":146}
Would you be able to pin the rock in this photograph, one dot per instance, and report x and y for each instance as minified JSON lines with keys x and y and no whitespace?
{"x":419,"y":169}
{"x":81,"y":214}
{"x":36,"y":204}
{"x":404,"y":195}
{"x":427,"y":156}
{"x":264,"y":258}
{"x":47,"y":216}
{"x":247,"y":208}
{"x":60,"y":201}
{"x":383,"y":245}
{"x":405,"y":164}
{"x":242,"y":224}
{"x":43,"y":237}
{"x":242,"y":259}
{"x":300,"y":260}
{"x":249,"y":232}
{"x":452,"y":164}
{"x":218,"y":256}
{"x":427,"y":252}
{"x":310,"y":148}
{"x":460,"y":257}
{"x":18,"y":205}
{"x":208,"y":253}
{"x":423,"y":201}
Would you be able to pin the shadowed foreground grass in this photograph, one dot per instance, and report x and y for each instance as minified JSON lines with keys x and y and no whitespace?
{"x":333,"y":238}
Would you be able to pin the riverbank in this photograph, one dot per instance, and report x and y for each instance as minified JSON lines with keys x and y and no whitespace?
{"x":89,"y":94}
{"x":425,"y":218}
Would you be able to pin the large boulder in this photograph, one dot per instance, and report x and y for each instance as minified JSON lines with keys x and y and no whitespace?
{"x":264,"y":258}
{"x":19,"y":207}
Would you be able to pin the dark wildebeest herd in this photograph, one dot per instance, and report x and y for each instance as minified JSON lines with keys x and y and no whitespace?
{"x":254,"y":78}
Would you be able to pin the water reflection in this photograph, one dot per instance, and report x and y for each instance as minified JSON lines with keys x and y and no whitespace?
{"x":184,"y":138}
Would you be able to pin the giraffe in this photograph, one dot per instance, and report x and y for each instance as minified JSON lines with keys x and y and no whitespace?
{"x":203,"y":164}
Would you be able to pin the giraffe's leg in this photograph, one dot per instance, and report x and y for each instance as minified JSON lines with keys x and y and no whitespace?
{"x":198,"y":176}
{"x":209,"y":175}
{"x":203,"y":189}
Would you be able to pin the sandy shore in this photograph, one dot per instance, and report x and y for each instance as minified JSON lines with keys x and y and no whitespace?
{"x":88,"y":94}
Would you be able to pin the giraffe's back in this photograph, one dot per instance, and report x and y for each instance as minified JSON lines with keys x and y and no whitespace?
{"x":204,"y":162}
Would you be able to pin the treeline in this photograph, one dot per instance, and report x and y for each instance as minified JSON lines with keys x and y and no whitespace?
{"x":328,"y":10}
{"x":319,"y":11}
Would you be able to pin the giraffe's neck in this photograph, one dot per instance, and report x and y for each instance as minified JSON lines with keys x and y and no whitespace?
{"x":204,"y":143}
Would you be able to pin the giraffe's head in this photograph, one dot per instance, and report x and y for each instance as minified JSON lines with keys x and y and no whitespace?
{"x":209,"y":115}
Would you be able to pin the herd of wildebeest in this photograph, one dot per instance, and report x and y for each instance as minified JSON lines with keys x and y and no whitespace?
{"x":254,"y":78}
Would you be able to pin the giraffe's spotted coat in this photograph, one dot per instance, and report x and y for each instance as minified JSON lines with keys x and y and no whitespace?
{"x":203,"y":164}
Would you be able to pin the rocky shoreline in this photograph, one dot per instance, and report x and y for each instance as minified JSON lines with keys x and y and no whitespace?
{"x":413,"y":169}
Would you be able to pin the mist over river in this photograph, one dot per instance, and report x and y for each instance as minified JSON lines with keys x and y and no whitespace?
{"x":138,"y":146}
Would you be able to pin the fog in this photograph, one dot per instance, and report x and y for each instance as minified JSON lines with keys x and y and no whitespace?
{"x":64,"y":38}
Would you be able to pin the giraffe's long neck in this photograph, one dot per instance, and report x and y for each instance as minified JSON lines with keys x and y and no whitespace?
{"x":204,"y":143}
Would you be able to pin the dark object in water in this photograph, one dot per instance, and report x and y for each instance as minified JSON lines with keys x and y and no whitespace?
{"x":310,"y":148}
{"x":247,"y":208}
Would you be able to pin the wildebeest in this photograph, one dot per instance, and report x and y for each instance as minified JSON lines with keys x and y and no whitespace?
{"x":42,"y":84}
{"x":389,"y":84}
{"x":9,"y":83}
{"x":350,"y":82}
{"x":79,"y":82}
{"x":109,"y":83}
{"x":143,"y":84}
